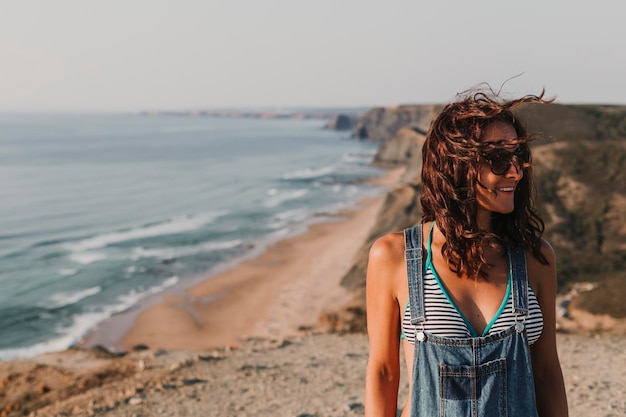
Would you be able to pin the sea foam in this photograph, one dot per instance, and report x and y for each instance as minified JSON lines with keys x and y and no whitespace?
{"x":82,"y":323}
{"x":282,"y":197}
{"x":172,"y":226}
{"x":63,"y":299}
{"x":182,"y":251}
{"x":309,"y":173}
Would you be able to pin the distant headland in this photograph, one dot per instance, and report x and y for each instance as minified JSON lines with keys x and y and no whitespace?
{"x":292,"y":113}
{"x":338,"y":118}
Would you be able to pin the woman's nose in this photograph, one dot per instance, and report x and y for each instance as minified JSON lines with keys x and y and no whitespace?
{"x":515,"y":170}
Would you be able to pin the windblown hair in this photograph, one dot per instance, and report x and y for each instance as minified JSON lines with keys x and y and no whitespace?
{"x":449,"y":178}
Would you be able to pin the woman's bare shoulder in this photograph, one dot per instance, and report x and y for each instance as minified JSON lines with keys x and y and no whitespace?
{"x":542,"y":275}
{"x":548,"y":253}
{"x":388,"y":248}
{"x":386,"y":265}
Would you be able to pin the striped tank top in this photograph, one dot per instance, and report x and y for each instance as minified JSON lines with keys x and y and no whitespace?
{"x":444,"y":319}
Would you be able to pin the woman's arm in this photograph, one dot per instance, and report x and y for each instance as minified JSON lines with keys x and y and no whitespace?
{"x":383,"y":328}
{"x":549,"y":385}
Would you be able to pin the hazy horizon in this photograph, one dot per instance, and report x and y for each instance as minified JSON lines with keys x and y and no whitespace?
{"x":70,"y":56}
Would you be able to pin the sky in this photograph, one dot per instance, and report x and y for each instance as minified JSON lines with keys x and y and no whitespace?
{"x":135,"y":55}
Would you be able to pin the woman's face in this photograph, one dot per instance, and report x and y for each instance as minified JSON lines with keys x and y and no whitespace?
{"x":495,"y":193}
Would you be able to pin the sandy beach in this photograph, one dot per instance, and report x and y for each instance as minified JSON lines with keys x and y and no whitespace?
{"x":275,"y":294}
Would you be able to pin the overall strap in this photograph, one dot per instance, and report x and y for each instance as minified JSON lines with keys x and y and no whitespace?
{"x":413,"y":256}
{"x":519,"y":280}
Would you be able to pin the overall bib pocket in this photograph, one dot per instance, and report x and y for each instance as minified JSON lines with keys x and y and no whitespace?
{"x":473,"y":390}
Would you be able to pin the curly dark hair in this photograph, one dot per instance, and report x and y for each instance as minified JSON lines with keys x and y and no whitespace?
{"x":449,"y":178}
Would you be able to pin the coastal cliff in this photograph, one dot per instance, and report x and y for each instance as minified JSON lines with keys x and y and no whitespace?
{"x":380,"y":123}
{"x":580,"y":171}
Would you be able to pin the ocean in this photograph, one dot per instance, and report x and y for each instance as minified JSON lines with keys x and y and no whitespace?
{"x":101,"y":211}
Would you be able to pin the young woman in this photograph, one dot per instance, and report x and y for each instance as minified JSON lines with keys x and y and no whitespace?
{"x":470,"y":292}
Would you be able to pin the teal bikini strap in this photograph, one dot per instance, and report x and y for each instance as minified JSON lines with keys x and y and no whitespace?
{"x":428,"y":248}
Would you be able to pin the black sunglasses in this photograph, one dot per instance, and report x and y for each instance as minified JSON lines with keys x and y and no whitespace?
{"x":500,"y":159}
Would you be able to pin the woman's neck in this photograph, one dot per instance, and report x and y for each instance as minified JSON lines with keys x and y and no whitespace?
{"x":483,"y":220}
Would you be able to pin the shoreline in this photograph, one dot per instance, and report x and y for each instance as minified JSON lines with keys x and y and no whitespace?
{"x":273,"y":294}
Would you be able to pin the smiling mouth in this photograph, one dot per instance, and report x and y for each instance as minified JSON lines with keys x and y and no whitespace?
{"x":506,"y":189}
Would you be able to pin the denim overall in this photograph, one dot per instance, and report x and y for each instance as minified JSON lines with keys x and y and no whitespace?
{"x":487,"y":376}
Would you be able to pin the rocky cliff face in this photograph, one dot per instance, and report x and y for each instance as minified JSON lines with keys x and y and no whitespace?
{"x":581,"y":187}
{"x":580,"y":171}
{"x":403,"y":148}
{"x":380,"y":123}
{"x":341,"y":122}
